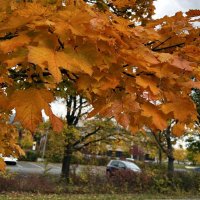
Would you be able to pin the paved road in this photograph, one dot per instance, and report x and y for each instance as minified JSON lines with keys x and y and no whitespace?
{"x":34,"y":168}
{"x":23,"y":167}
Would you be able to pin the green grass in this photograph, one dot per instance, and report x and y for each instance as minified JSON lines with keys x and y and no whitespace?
{"x":28,"y":196}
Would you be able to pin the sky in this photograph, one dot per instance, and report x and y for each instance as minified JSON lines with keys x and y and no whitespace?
{"x":170,"y":7}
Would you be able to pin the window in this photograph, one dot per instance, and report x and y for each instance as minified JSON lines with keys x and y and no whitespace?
{"x":121,"y":165}
{"x":114,"y":163}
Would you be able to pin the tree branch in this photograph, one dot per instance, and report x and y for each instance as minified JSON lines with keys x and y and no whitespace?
{"x":86,"y":136}
{"x":176,"y":45}
{"x":8,"y":36}
{"x":92,"y":141}
{"x":159,"y":143}
{"x":161,"y":43}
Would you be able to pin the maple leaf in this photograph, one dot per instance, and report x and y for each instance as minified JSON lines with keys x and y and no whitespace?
{"x":176,"y":107}
{"x":124,"y":3}
{"x":10,"y":45}
{"x":44,"y":57}
{"x":3,"y":101}
{"x":148,"y":81}
{"x":178,"y":129}
{"x":29,"y":104}
{"x":181,"y":63}
{"x":111,"y":63}
{"x":2,"y":164}
{"x":57,"y":123}
{"x":193,"y":13}
{"x":158,"y":118}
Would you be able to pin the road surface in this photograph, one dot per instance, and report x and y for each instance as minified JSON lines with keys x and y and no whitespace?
{"x":24,"y":167}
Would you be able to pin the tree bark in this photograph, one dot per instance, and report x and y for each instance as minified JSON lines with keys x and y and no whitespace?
{"x":170,"y":165}
{"x":66,"y":163}
{"x":160,"y":156}
{"x":159,"y":149}
{"x":169,"y":152}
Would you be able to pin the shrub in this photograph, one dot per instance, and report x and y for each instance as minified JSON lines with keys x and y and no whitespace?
{"x":29,"y":156}
{"x":29,"y":183}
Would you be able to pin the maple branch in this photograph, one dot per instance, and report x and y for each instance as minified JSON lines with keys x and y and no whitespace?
{"x":84,"y":106}
{"x":61,"y":43}
{"x":74,"y":105}
{"x":68,"y":116}
{"x":82,"y":114}
{"x":23,"y":74}
{"x":9,"y":36}
{"x":93,"y":141}
{"x":150,"y":43}
{"x":130,"y":75}
{"x":79,"y":111}
{"x":161,"y":43}
{"x":138,"y":74}
{"x":86,"y":136}
{"x":176,"y":45}
{"x":125,"y":65}
{"x":159,"y":142}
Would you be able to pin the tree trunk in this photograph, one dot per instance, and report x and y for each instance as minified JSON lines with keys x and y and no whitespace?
{"x":170,"y":152}
{"x":160,"y":156}
{"x":66,"y":163}
{"x":159,"y":149}
{"x":170,"y":165}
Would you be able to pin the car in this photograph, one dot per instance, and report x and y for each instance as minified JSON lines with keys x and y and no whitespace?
{"x":9,"y":159}
{"x":115,"y":165}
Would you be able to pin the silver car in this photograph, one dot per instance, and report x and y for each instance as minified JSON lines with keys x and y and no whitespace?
{"x":115,"y":165}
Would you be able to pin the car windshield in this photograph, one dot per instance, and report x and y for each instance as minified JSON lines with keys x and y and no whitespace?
{"x":132,"y":165}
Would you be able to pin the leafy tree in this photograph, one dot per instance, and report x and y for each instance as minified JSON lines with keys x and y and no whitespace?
{"x":193,"y":157}
{"x":141,"y":75}
{"x":27,"y":140}
{"x":180,"y":155}
{"x":193,"y":143}
{"x":165,"y":141}
{"x":93,"y":136}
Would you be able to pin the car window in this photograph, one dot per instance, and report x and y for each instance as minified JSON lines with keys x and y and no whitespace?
{"x":132,"y":166}
{"x":114,"y":163}
{"x":121,"y":165}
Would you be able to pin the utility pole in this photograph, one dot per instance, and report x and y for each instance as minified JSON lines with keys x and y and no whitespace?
{"x":45,"y":144}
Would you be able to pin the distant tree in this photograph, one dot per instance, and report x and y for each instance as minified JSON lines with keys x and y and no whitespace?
{"x":193,"y":157}
{"x":165,"y":141}
{"x":92,"y":136}
{"x":180,"y":155}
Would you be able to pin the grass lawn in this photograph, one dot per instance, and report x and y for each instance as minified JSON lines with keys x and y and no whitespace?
{"x":29,"y":196}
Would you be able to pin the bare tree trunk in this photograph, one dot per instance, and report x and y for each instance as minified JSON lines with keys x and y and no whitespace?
{"x":66,"y":163}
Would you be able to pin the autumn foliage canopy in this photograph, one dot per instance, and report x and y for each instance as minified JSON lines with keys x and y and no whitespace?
{"x":140,"y":71}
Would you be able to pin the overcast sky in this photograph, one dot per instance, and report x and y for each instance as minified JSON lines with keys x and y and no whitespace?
{"x":170,"y":7}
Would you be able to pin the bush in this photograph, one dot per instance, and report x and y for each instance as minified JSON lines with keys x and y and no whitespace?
{"x":187,"y":181}
{"x":90,"y":160}
{"x":90,"y":180}
{"x":29,"y":156}
{"x":126,"y":181}
{"x":29,"y":183}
